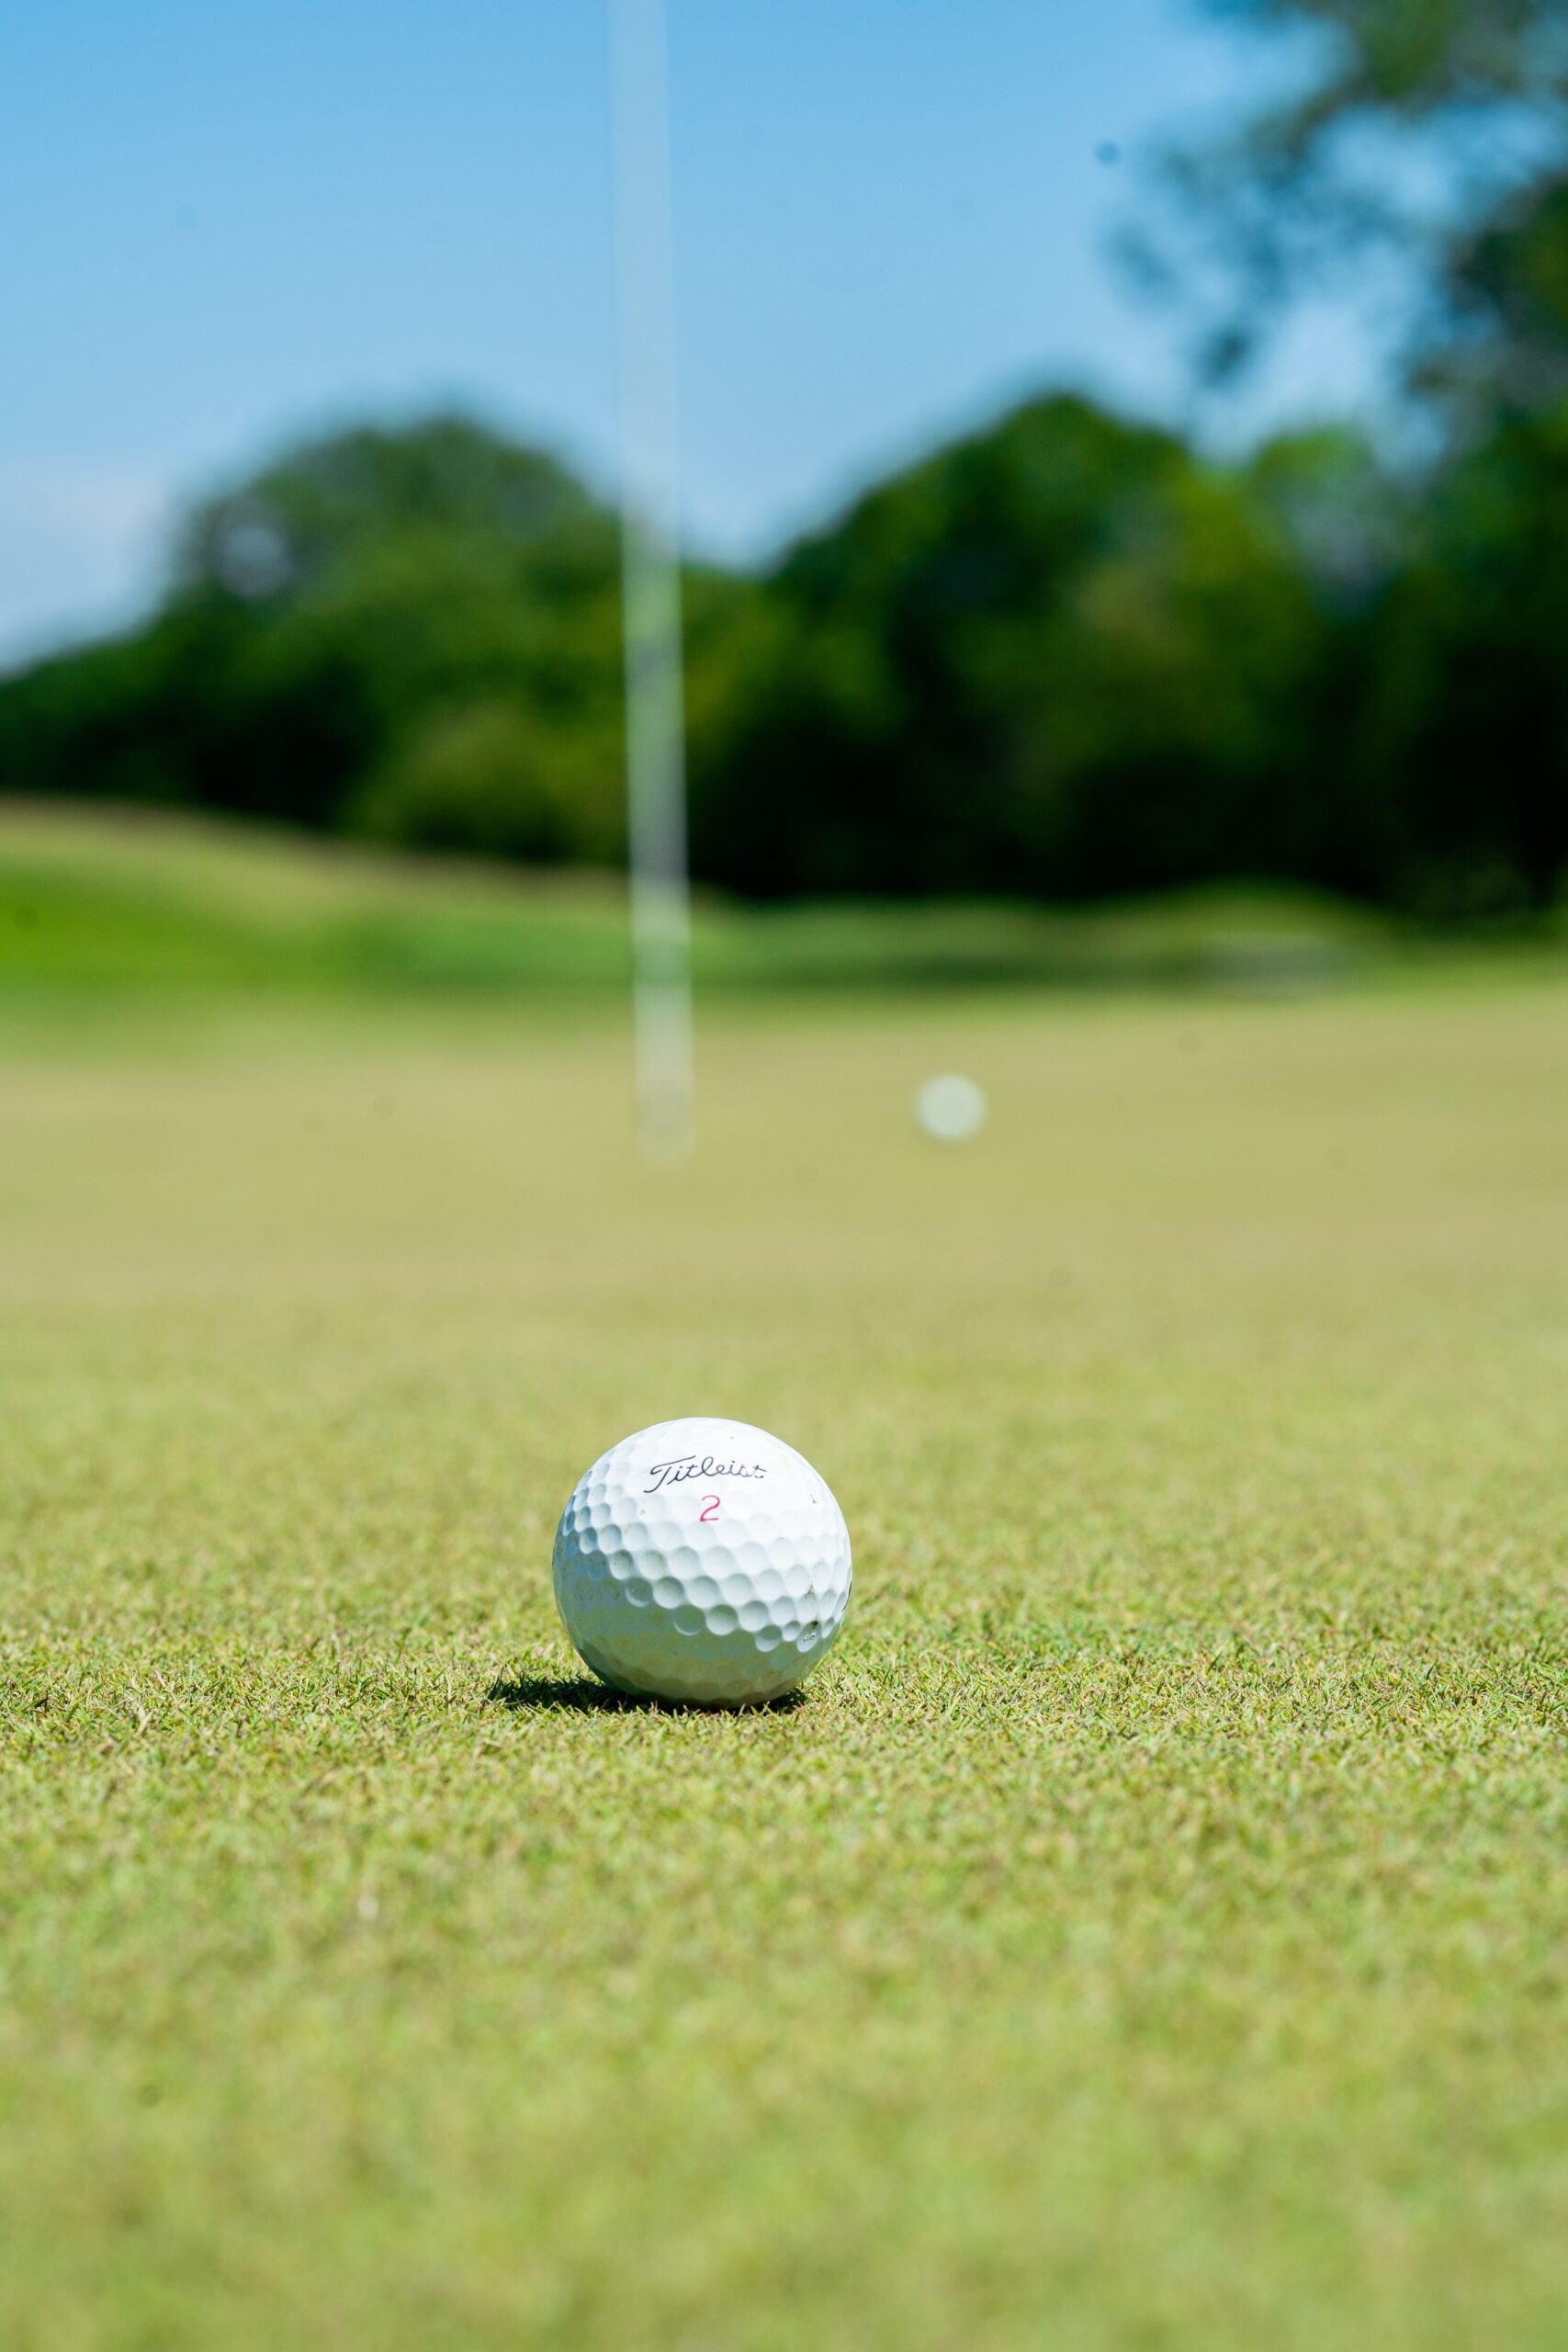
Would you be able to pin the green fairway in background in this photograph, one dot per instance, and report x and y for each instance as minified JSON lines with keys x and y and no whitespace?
{"x":1149,"y":1927}
{"x":138,"y":903}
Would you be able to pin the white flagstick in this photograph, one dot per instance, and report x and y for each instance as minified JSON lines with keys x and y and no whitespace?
{"x":656,"y":766}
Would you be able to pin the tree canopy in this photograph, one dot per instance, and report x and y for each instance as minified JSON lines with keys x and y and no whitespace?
{"x":1064,"y":656}
{"x":1434,"y":131}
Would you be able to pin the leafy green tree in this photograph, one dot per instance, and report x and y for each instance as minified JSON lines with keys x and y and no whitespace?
{"x":329,"y":618}
{"x":1457,"y":731}
{"x":318,"y":508}
{"x":1433,"y":133}
{"x":490,"y":779}
{"x":1465,"y":715}
{"x":1060,"y":657}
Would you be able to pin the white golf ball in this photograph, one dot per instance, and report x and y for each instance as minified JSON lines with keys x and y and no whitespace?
{"x":951,"y":1108}
{"x":702,"y":1561}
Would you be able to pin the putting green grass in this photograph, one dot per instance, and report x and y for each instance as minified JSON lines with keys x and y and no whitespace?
{"x":1150,"y":1929}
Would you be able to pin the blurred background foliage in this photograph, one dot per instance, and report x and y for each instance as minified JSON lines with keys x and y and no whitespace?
{"x":1069,"y":656}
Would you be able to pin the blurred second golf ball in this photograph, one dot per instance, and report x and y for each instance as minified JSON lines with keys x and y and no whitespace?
{"x":951,"y":1108}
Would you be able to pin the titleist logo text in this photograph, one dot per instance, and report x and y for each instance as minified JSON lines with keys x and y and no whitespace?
{"x":691,"y":1465}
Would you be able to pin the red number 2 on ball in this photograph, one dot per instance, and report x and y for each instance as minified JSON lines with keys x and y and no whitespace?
{"x":712,"y":1510}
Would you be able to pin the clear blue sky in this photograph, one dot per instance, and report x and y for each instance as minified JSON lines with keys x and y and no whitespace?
{"x":225,"y":221}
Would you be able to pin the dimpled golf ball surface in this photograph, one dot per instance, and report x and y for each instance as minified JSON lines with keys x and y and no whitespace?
{"x":702,"y":1561}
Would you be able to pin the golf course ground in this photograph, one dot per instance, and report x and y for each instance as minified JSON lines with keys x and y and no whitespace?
{"x":1149,"y":1927}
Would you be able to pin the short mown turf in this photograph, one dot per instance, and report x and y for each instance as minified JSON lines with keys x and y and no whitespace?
{"x":1150,"y":1929}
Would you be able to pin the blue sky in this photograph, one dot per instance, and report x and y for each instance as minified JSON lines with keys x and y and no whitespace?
{"x":223,"y":224}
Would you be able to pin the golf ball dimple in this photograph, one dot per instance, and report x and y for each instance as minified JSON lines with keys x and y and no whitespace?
{"x":702,"y":1561}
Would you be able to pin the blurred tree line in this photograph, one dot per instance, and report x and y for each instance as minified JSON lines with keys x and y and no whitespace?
{"x":1064,"y":656}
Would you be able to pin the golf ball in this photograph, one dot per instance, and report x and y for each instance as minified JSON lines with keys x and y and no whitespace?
{"x":702,"y":1561}
{"x":950,"y":1108}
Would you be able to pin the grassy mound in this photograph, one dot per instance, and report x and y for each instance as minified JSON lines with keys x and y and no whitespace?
{"x":138,"y":901}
